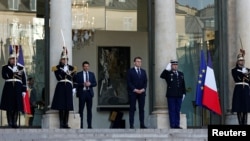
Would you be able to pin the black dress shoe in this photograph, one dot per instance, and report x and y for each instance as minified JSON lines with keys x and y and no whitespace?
{"x":178,"y":127}
{"x":15,"y":126}
{"x":143,"y":127}
{"x":90,"y":127}
{"x":66,"y":127}
{"x":132,"y":127}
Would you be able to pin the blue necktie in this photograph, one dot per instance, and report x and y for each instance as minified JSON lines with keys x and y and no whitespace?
{"x":138,"y":72}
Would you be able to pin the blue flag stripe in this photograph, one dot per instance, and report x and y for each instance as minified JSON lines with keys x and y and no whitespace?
{"x":201,"y":79}
{"x":20,"y":57}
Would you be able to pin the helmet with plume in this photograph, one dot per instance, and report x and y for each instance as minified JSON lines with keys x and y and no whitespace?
{"x":64,"y":54}
{"x":13,"y":51}
{"x":241,"y":55}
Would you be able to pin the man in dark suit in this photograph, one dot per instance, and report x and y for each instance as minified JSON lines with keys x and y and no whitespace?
{"x":137,"y":85}
{"x":175,"y":92}
{"x":85,"y":81}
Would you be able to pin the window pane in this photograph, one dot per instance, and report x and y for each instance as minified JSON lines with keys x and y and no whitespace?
{"x":121,"y":15}
{"x":33,"y":5}
{"x":13,"y":4}
{"x":25,"y":30}
{"x":195,"y":26}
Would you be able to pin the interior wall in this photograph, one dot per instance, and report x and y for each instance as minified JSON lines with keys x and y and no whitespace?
{"x":138,"y":43}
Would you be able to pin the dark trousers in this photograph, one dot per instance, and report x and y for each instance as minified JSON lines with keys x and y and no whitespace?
{"x":64,"y":118}
{"x":87,"y":99}
{"x":242,"y":118}
{"x":12,"y":118}
{"x":174,"y":109}
{"x":132,"y":109}
{"x":32,"y":117}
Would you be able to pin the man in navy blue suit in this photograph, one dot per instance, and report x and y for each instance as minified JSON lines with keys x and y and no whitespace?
{"x":137,"y":85}
{"x":176,"y":91}
{"x":84,"y":83}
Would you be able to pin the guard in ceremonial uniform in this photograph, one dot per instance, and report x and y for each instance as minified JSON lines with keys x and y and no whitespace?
{"x":63,"y":96}
{"x":241,"y":96}
{"x":14,"y":88}
{"x":176,"y":91}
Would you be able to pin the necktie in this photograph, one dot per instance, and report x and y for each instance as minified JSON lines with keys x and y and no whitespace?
{"x":138,"y":71}
{"x":87,"y":77}
{"x":175,"y":72}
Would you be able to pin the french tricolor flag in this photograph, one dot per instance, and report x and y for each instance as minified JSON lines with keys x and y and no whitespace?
{"x":210,"y":97}
{"x":26,"y":99}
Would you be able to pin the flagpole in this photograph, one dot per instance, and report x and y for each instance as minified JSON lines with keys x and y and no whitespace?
{"x":200,"y":84}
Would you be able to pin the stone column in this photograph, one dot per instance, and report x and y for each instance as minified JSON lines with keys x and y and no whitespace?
{"x":241,"y":38}
{"x":242,"y":26}
{"x":60,"y":35}
{"x":165,"y":50}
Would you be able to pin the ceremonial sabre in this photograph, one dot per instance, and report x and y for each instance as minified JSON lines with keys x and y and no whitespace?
{"x":241,"y":43}
{"x":63,"y":38}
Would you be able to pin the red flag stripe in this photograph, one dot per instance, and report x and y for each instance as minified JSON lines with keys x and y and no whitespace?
{"x":26,"y":103}
{"x":211,"y":100}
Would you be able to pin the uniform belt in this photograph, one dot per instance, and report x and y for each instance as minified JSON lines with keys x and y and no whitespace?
{"x":13,"y":80}
{"x":242,"y":83}
{"x":66,"y":80}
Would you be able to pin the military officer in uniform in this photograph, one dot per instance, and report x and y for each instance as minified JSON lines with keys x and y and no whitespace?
{"x":14,"y":88}
{"x":63,"y":95}
{"x":176,"y":91}
{"x":241,"y":96}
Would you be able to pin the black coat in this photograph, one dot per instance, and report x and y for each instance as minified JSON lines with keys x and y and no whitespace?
{"x":175,"y":83}
{"x":63,"y":95}
{"x":14,"y":86}
{"x":241,"y":95}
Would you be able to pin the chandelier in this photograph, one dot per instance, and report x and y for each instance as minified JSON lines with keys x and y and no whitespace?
{"x":82,"y":25}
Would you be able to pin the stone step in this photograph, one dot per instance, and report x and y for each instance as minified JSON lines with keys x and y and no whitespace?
{"x":103,"y":134}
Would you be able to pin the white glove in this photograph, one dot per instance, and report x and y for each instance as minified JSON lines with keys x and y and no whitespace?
{"x":15,"y":69}
{"x":74,"y":91}
{"x":244,"y":70}
{"x":168,"y":68}
{"x":66,"y":68}
{"x":23,"y":94}
{"x":20,"y":72}
{"x":183,"y":97}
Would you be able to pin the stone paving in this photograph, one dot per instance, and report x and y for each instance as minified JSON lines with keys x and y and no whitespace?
{"x":7,"y":134}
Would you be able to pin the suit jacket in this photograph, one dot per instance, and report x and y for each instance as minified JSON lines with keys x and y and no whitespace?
{"x":79,"y":83}
{"x":175,"y":83}
{"x":134,"y":81}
